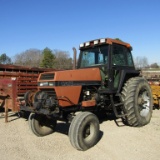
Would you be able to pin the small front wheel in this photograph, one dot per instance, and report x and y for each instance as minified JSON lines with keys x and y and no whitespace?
{"x":84,"y":131}
{"x":41,"y":125}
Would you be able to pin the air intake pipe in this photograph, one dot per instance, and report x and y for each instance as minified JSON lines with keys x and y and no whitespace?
{"x":74,"y":57}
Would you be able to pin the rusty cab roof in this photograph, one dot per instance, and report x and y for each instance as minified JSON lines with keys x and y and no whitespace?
{"x":103,"y":41}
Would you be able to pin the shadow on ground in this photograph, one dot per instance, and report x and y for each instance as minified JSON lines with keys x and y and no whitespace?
{"x":63,"y":128}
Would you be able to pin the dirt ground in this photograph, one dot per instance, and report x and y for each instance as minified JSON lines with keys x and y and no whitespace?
{"x":116,"y":143}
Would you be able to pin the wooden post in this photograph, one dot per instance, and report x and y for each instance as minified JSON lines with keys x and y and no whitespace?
{"x":6,"y":110}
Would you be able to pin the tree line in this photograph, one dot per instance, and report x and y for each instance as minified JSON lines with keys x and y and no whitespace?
{"x":45,"y":58}
{"x":142,"y":62}
{"x":57,"y":59}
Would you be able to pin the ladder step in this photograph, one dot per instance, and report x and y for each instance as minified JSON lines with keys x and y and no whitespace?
{"x":115,"y":109}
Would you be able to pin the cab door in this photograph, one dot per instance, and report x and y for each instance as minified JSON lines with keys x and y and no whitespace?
{"x":121,"y":59}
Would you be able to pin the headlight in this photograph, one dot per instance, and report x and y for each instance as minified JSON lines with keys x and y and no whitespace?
{"x":43,"y":84}
{"x":51,"y":83}
{"x":87,"y":44}
{"x":96,"y":42}
{"x":81,"y":45}
{"x":102,"y":40}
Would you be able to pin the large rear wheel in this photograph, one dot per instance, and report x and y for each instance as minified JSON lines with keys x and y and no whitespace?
{"x":41,"y":125}
{"x":137,"y":98}
{"x":84,"y":131}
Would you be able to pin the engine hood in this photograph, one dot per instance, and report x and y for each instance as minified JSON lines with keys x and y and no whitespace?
{"x":67,"y":84}
{"x":87,"y":74}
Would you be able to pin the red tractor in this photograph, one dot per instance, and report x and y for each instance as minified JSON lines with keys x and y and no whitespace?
{"x":105,"y":80}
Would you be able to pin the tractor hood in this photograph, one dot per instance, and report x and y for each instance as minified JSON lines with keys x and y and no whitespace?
{"x":89,"y":74}
{"x":67,"y":85}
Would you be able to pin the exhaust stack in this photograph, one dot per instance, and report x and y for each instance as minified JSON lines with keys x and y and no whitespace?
{"x":74,"y":57}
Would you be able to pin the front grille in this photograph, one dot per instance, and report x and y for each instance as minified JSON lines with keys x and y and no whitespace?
{"x":51,"y":92}
{"x":48,"y":76}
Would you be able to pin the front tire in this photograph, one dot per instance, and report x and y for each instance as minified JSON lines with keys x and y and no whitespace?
{"x":41,"y":125}
{"x":138,"y":103}
{"x":84,"y":131}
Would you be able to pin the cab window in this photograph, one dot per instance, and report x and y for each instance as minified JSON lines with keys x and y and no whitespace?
{"x":121,"y":56}
{"x":94,"y":56}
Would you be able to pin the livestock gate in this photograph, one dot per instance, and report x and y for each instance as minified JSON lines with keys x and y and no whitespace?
{"x":15,"y":81}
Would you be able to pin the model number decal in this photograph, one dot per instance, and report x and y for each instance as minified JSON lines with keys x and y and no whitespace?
{"x":67,"y":83}
{"x":77,"y":83}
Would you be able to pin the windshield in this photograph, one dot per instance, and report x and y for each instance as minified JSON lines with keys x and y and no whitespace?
{"x":94,"y":56}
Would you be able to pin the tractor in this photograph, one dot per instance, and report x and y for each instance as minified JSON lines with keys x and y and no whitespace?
{"x":104,"y":80}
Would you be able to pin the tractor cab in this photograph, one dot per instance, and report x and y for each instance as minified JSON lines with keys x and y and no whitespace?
{"x":112,"y":57}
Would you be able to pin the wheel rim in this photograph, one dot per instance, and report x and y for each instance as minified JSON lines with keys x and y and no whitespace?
{"x":144,"y":103}
{"x":44,"y":123}
{"x":41,"y":122}
{"x":88,"y":132}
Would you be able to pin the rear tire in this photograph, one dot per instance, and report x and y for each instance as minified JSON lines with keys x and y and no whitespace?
{"x":138,"y":104}
{"x":84,"y":131}
{"x":41,"y":125}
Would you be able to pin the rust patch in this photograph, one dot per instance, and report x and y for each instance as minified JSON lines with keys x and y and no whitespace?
{"x":89,"y":103}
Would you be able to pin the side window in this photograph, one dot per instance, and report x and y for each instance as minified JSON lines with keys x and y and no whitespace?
{"x":129,"y":58}
{"x":121,"y":56}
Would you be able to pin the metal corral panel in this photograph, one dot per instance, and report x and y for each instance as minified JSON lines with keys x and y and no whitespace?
{"x":26,"y":77}
{"x":15,"y":81}
{"x":8,"y":91}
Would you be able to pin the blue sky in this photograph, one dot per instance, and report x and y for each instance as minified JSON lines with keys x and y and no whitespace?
{"x":60,"y":24}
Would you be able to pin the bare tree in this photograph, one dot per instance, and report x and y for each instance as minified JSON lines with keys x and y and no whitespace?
{"x":141,"y":62}
{"x":31,"y":57}
{"x":154,"y":65}
{"x":63,"y":60}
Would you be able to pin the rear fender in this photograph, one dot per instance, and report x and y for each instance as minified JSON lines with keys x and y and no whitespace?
{"x":125,"y":75}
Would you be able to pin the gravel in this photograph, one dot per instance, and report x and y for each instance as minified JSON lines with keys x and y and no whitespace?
{"x":121,"y":142}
